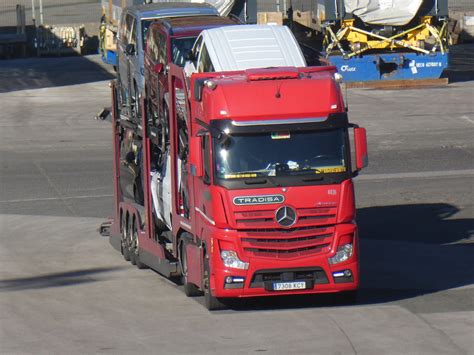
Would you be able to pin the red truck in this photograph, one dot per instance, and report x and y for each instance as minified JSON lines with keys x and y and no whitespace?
{"x":252,"y":195}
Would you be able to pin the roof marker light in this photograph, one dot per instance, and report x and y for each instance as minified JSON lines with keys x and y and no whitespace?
{"x":338,"y":78}
{"x":210,"y":84}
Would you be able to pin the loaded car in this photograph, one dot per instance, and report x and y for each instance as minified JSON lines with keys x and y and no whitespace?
{"x":244,"y":47}
{"x":131,"y":37}
{"x":169,"y":41}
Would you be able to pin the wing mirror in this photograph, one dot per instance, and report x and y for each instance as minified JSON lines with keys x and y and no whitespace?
{"x":360,"y":142}
{"x":130,"y":49}
{"x":195,"y":156}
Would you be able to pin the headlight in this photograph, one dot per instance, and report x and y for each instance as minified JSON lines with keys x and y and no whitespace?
{"x":344,"y":252}
{"x":230,"y":259}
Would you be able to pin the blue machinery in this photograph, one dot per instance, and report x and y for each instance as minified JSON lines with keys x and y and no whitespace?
{"x":391,"y":66}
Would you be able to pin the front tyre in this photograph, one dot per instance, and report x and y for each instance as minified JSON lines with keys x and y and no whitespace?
{"x":346,"y":298}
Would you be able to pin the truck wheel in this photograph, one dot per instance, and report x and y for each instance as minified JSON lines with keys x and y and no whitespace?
{"x":212,"y":303}
{"x":190,"y":290}
{"x":131,"y":243}
{"x":345,"y":298}
{"x":135,"y":250}
{"x":124,"y":240}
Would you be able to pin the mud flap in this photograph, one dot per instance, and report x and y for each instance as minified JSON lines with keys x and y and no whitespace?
{"x":194,"y":257}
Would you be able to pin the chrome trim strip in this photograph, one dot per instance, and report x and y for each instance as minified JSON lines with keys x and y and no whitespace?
{"x":185,"y":225}
{"x":205,"y":216}
{"x":276,"y":122}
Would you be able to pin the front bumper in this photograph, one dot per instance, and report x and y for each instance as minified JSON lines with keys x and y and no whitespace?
{"x":262,"y":272}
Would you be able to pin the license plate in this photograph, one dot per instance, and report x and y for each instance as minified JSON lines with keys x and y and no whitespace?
{"x":286,"y":286}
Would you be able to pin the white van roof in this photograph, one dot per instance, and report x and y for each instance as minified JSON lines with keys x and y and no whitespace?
{"x":252,"y":46}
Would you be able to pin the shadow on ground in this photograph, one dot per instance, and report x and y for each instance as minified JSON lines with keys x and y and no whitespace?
{"x":461,"y":63}
{"x":406,"y":251}
{"x":61,"y":279}
{"x":36,"y":73}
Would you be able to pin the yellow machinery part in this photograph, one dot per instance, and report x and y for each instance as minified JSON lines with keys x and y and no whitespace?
{"x":361,"y":40}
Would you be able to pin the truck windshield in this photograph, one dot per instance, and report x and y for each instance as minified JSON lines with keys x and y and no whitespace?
{"x":181,"y":46}
{"x":281,"y":154}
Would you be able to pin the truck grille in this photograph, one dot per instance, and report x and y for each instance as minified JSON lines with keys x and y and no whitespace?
{"x":286,"y":243}
{"x":266,"y":218}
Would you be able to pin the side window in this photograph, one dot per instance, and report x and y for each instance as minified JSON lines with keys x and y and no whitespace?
{"x":128,"y":29}
{"x":206,"y":151}
{"x":205,"y":64}
{"x":156,"y":48}
{"x":162,"y":48}
{"x":196,"y":49}
{"x":150,"y":44}
{"x":123,"y":29}
{"x":133,"y":32}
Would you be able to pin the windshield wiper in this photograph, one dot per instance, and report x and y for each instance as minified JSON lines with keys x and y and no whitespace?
{"x":316,"y":174}
{"x":264,"y":180}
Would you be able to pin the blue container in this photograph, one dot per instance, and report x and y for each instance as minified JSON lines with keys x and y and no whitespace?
{"x":110,"y":57}
{"x":393,"y":66}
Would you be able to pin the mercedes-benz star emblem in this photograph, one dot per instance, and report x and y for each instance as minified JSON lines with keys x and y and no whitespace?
{"x":285,"y":216}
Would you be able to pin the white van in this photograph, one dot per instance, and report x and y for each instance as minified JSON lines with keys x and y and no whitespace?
{"x":243,"y":47}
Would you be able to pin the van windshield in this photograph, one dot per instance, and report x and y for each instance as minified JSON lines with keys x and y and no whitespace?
{"x":181,"y":46}
{"x":291,"y":153}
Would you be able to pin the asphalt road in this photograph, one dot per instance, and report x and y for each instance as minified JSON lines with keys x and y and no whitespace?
{"x":63,"y":289}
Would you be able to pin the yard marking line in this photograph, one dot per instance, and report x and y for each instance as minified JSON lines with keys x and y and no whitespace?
{"x":55,"y":198}
{"x":420,"y":174}
{"x":53,"y":186}
{"x":466,"y":118}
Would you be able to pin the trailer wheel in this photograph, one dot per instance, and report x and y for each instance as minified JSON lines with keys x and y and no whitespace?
{"x":212,"y":303}
{"x":134,"y":249}
{"x":131,"y":244}
{"x":124,"y":240}
{"x":190,"y":290}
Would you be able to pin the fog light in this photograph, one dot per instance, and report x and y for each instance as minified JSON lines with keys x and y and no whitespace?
{"x":344,"y":252}
{"x":345,"y":273}
{"x":230,"y":259}
{"x":234,"y":280}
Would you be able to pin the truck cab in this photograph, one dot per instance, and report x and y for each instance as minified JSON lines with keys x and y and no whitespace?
{"x":131,"y":37}
{"x":269,"y":201}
